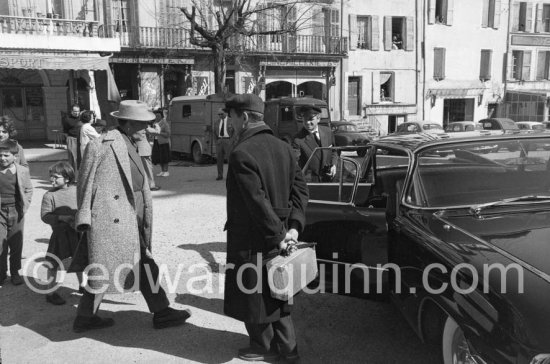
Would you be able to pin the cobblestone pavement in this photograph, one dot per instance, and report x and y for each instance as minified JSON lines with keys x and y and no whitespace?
{"x":189,"y":213}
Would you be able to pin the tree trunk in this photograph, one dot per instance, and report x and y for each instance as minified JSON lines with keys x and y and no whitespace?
{"x":219,"y":68}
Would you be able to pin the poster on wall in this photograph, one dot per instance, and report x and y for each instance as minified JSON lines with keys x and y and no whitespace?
{"x":150,"y":89}
{"x":200,"y":85}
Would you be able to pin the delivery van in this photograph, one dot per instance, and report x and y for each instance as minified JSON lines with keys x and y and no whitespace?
{"x":192,"y":121}
{"x":283,"y":115}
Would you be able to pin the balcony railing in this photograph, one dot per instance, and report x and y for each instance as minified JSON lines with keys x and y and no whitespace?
{"x":174,"y":38}
{"x":48,"y":26}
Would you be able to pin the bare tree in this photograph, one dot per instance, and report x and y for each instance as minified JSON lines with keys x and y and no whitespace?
{"x":229,"y":27}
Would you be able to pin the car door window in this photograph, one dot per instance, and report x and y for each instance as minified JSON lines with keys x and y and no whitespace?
{"x":339,"y":187}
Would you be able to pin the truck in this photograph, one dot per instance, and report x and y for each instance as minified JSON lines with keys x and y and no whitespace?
{"x":192,"y":119}
{"x":283,"y":115}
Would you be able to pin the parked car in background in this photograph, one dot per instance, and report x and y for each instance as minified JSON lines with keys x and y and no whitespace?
{"x":530,"y":126}
{"x":446,"y":225}
{"x":346,"y":133}
{"x":497,"y":126}
{"x":462,"y":129}
{"x":414,"y":127}
{"x":283,"y":115}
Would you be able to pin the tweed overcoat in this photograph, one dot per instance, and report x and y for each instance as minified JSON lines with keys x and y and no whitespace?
{"x":107,"y":210}
{"x":304,"y":143}
{"x":266,"y":194}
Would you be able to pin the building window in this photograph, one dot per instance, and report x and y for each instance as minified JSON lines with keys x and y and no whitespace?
{"x":546,"y":17}
{"x":491,"y":14}
{"x":485,"y":65}
{"x":521,"y":65}
{"x":543,"y":63}
{"x":364,"y":33}
{"x":522,"y":16}
{"x":354,"y":96}
{"x":440,"y":12}
{"x":439,"y":64}
{"x":386,"y":87}
{"x":398,"y":33}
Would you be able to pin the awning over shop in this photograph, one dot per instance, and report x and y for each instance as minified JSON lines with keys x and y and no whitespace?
{"x":53,"y":61}
{"x":456,"y":92}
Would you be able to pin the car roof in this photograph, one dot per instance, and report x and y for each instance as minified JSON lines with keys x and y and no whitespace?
{"x":415,"y":142}
{"x":498,"y":119}
{"x":529,"y":122}
{"x":462,"y":122}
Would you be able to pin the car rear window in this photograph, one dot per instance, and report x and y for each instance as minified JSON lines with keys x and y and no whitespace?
{"x":432,"y":126}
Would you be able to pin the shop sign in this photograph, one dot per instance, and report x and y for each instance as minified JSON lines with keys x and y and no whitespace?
{"x":299,"y":63}
{"x":525,"y":40}
{"x":147,"y":60}
{"x":52,"y":61}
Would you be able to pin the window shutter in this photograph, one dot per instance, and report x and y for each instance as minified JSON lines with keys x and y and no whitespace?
{"x":538,"y":21}
{"x":496,"y":19}
{"x":541,"y":65}
{"x":485,"y":14}
{"x":439,"y":64}
{"x":485,"y":65}
{"x":353,"y":36}
{"x":526,"y":69}
{"x":375,"y":31}
{"x":375,"y":87}
{"x":431,"y":12}
{"x":529,"y":18}
{"x":387,"y":33}
{"x":515,"y":17}
{"x":409,"y":33}
{"x":450,"y":12}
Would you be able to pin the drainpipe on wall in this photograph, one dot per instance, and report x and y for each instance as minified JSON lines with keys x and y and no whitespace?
{"x":342,"y":75}
{"x":422,"y":51}
{"x":508,"y":40}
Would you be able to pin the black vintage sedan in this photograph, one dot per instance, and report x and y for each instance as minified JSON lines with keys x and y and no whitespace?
{"x":461,"y":240}
{"x":346,"y":133}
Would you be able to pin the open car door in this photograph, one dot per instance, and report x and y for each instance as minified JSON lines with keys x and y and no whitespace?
{"x":347,"y":220}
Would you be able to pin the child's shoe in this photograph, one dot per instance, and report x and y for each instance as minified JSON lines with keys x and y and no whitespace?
{"x":16,"y":279}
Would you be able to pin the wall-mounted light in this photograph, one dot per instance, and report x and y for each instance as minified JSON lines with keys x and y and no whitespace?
{"x":480,"y":99}
{"x":433,"y":98}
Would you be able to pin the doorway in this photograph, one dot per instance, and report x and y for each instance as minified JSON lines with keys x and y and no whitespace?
{"x":25,"y":107}
{"x":394,"y":120}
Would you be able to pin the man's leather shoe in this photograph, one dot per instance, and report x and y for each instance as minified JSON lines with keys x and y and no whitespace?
{"x":170,"y":317}
{"x":82,"y":323}
{"x":16,"y":279}
{"x":219,"y":178}
{"x":55,"y":299}
{"x":156,"y":188}
{"x":291,"y":358}
{"x":253,"y":354}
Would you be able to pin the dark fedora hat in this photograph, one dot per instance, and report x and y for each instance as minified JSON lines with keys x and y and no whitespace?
{"x":245,"y":102}
{"x":133,"y":110}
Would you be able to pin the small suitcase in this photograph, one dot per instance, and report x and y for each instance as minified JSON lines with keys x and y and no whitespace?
{"x":288,"y":275}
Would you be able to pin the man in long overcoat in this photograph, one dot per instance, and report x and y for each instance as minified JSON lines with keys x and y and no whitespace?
{"x":115,"y":212}
{"x":323,"y":165}
{"x":266,"y":201}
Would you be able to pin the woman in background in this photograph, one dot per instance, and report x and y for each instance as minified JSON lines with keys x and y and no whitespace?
{"x":161,"y":144}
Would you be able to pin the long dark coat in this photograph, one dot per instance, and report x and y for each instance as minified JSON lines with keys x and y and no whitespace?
{"x":304,"y":143}
{"x":266,"y":194}
{"x":107,"y":208}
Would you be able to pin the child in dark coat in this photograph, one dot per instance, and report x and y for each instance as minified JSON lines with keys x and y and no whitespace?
{"x":58,"y":210}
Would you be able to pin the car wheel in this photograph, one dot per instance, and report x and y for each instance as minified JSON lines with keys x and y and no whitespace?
{"x":196,"y":151}
{"x":454,"y":346}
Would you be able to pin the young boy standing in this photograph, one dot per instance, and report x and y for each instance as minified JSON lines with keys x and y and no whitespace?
{"x":15,"y":198}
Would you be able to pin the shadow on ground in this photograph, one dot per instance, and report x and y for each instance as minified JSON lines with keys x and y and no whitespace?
{"x":133,"y":329}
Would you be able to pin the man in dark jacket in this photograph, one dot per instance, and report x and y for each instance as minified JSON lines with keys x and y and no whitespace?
{"x":71,"y":126}
{"x":323,"y":165}
{"x":266,"y":201}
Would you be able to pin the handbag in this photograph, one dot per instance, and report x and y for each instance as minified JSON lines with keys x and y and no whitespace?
{"x":288,"y":275}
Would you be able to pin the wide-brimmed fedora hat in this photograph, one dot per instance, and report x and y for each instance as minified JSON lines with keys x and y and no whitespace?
{"x":133,"y":110}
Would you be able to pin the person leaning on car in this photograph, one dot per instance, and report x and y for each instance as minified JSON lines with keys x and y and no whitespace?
{"x":310,"y":137}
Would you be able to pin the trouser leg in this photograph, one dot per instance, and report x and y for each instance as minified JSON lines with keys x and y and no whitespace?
{"x":155,"y":297}
{"x":15,"y":240}
{"x":220,"y":157}
{"x":285,"y":335}
{"x":261,"y":335}
{"x":86,"y":305}
{"x":3,"y":242}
